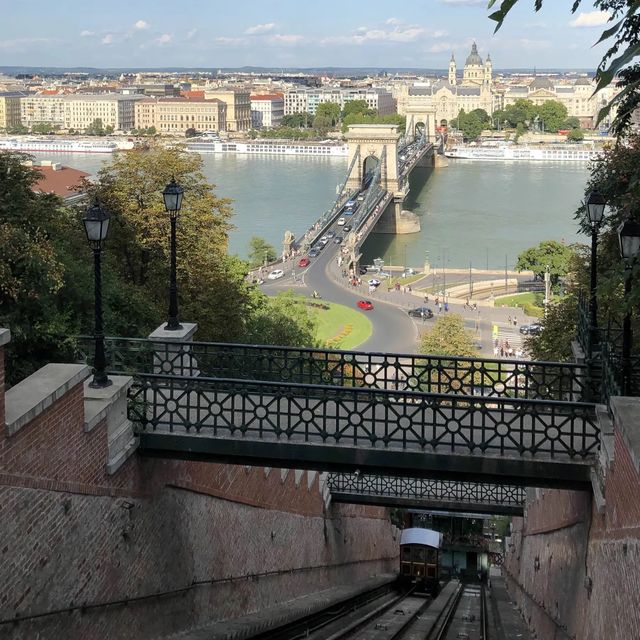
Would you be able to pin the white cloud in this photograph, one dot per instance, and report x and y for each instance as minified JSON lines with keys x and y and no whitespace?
{"x":408,"y":33}
{"x":191,"y":34}
{"x":285,"y":39}
{"x":257,"y":29}
{"x":108,"y":39}
{"x":590,"y":19}
{"x":227,"y":41}
{"x":86,"y":33}
{"x":392,"y":21}
{"x":165,"y":38}
{"x":141,"y":24}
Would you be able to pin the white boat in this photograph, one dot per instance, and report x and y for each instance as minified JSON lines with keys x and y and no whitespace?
{"x":550,"y":153}
{"x":57,"y":145}
{"x":271,"y":148}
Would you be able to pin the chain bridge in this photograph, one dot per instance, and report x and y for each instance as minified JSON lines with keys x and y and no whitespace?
{"x":459,"y":419}
{"x":376,"y":184}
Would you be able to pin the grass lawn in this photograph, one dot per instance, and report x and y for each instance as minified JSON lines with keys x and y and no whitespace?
{"x":530,"y":302}
{"x":340,"y":327}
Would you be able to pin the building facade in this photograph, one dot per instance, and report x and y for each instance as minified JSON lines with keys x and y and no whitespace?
{"x":10,"y":116}
{"x":177,"y":115}
{"x":42,"y":109}
{"x":267,"y":110}
{"x":238,"y":107}
{"x":307,"y":100}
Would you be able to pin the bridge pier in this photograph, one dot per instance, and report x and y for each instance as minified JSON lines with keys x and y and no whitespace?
{"x":397,"y":220}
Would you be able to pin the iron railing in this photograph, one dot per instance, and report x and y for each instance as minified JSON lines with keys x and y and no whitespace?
{"x":363,"y":418}
{"x":613,"y":369}
{"x":395,"y":372}
{"x":480,"y":493}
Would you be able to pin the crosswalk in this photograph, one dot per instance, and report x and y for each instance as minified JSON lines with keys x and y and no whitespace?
{"x":508,"y":334}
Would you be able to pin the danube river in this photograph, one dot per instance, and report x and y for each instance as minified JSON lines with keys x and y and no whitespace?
{"x":483,"y":213}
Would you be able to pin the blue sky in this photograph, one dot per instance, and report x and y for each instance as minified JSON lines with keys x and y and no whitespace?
{"x":292,"y":33}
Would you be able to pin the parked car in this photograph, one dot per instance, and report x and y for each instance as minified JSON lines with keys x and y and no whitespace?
{"x":304,"y":262}
{"x":531,"y":329}
{"x":276,"y":274}
{"x":341,"y":222}
{"x":421,"y":312}
{"x":365,"y":304}
{"x":314,"y":253}
{"x":330,"y":234}
{"x":338,"y":239}
{"x":374,"y":282}
{"x":362,"y":270}
{"x":347,"y":227}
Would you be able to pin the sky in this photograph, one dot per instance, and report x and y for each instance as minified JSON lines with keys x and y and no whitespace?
{"x":293,"y":33}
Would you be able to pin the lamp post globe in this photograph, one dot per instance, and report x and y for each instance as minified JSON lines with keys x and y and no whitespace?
{"x":96,"y":226}
{"x":172,"y":196}
{"x":629,"y":242}
{"x":595,"y":204}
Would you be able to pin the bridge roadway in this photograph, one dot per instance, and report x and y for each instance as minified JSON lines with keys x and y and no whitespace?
{"x":541,"y":443}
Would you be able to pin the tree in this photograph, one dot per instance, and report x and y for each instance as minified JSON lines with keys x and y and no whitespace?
{"x":96,"y":128}
{"x":522,"y":112}
{"x":575,"y":135}
{"x":548,"y":255}
{"x":260,"y":252}
{"x":553,"y":114}
{"x":328,"y":112}
{"x":471,"y":124}
{"x":571,"y":123}
{"x":624,"y":47}
{"x":357,"y":107}
{"x":448,"y":338}
{"x":298,"y":120}
{"x":190,"y":133}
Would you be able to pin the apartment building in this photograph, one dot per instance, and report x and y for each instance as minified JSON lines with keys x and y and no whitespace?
{"x":267,"y":110}
{"x":238,"y":102}
{"x":145,"y":113}
{"x":42,"y":109}
{"x":176,"y":115}
{"x":301,"y":100}
{"x":10,"y":115}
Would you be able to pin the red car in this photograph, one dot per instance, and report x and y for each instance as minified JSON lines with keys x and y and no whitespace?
{"x":304,"y":262}
{"x":365,"y":304}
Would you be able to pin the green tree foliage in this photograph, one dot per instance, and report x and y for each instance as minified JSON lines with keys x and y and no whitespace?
{"x":96,"y":128}
{"x":522,"y":112}
{"x":553,"y":114}
{"x":45,"y":128}
{"x":190,"y":133}
{"x":282,"y":320}
{"x":554,"y":342}
{"x":328,"y":112}
{"x":571,"y":123}
{"x":18,"y":130}
{"x":575,"y":135}
{"x":448,"y":338}
{"x":623,"y":38}
{"x":555,"y":256}
{"x":359,"y":107}
{"x":260,"y":252}
{"x":296,"y":120}
{"x":471,"y":124}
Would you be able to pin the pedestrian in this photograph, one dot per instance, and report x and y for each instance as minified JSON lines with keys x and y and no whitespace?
{"x":509,"y":320}
{"x":515,"y":322}
{"x":437,"y":301}
{"x":439,"y":307}
{"x":475,"y":306}
{"x":409,"y":288}
{"x":446,"y":306}
{"x":426,"y":299}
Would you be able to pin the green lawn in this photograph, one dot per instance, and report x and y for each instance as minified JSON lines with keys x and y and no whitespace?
{"x":530,"y":302}
{"x":343,"y":327}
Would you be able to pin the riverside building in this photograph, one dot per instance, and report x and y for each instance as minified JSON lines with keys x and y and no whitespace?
{"x":10,"y":110}
{"x":238,"y":107}
{"x":267,"y":110}
{"x":307,"y":100}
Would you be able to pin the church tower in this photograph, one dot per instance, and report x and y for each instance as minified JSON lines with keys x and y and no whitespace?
{"x":474,"y":69}
{"x":488,"y":71}
{"x":452,"y":70}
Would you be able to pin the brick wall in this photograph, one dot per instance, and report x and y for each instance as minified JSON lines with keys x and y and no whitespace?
{"x":574,"y":572}
{"x":216,"y":540}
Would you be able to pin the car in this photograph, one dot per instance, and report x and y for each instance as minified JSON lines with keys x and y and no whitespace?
{"x":330,"y":234}
{"x":276,"y":274}
{"x":360,"y":198}
{"x":348,"y":212}
{"x":374,"y":282}
{"x":349,"y":204}
{"x":347,"y":227}
{"x":362,"y":270}
{"x":409,"y":272}
{"x":338,"y":239}
{"x":365,"y":304}
{"x":421,"y":312}
{"x":530,"y":329}
{"x":323,"y":241}
{"x":341,"y":222}
{"x":314,"y":253}
{"x":304,"y":262}
{"x":318,"y":247}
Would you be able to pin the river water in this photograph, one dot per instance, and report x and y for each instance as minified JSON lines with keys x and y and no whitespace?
{"x":478,"y":213}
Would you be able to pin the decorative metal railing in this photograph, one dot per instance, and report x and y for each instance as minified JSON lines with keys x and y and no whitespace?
{"x":426,"y":489}
{"x":395,"y":372}
{"x":613,"y":370}
{"x":364,"y":418}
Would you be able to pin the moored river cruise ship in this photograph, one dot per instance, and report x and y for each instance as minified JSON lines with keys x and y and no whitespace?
{"x":57,"y":145}
{"x":273,"y":148}
{"x":551,"y":153}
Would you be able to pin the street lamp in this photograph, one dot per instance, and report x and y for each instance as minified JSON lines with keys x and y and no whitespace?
{"x":629,"y":239}
{"x":172,"y":195}
{"x":96,"y":226}
{"x":595,"y":206}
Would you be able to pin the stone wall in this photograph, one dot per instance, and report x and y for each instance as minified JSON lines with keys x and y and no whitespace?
{"x":159,"y":545}
{"x":573,"y":563}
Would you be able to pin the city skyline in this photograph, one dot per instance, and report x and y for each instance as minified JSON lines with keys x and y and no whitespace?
{"x":212,"y":35}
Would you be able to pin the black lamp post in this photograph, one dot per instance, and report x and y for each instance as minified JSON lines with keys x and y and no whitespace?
{"x":595,"y":205}
{"x":96,"y":226}
{"x":172,"y":195}
{"x":629,"y":239}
